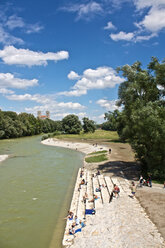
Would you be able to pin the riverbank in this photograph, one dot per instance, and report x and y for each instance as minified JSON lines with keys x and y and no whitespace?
{"x":121,"y":158}
{"x":3,"y":157}
{"x":81,"y":147}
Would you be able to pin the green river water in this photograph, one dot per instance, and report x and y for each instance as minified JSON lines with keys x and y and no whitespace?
{"x":36,"y":185}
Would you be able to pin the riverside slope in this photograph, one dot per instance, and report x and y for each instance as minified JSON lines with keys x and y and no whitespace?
{"x":120,"y":224}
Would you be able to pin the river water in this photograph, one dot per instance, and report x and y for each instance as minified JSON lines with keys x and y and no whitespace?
{"x":36,"y":185}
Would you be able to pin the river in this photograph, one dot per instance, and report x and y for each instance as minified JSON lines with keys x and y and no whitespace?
{"x":36,"y":185}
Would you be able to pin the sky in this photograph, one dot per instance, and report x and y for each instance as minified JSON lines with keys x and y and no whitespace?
{"x":62,"y":56}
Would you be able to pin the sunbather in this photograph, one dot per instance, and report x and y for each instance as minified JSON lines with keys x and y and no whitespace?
{"x":69,"y":216}
{"x":116,"y":190}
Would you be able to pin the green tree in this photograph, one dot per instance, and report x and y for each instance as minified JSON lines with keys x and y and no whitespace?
{"x":71,"y":124}
{"x":88,"y":125}
{"x":111,"y":123}
{"x":142,"y":121}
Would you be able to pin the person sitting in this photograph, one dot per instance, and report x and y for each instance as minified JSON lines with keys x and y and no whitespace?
{"x":81,"y":173}
{"x":82,"y":183}
{"x":82,"y":224}
{"x":116,"y":190}
{"x":72,"y":230}
{"x":141,"y":181}
{"x":133,"y":189}
{"x":85,"y":197}
{"x":69,"y":216}
{"x":98,"y":189}
{"x":77,"y":221}
{"x":98,"y":173}
{"x":95,"y":197}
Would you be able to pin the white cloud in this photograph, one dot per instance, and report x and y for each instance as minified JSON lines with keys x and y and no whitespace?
{"x":15,"y":22}
{"x":154,"y":21}
{"x":7,"y":39}
{"x":73,"y":93}
{"x":141,"y":4}
{"x":11,"y":55}
{"x":107,"y":104}
{"x":73,"y":75}
{"x":144,"y":37}
{"x":6,"y":91}
{"x":109,"y":26}
{"x":28,"y":97}
{"x":46,"y":102}
{"x":100,"y":78}
{"x":33,"y":28}
{"x":122,"y":36}
{"x":84,"y":11}
{"x":8,"y":80}
{"x":60,"y":116}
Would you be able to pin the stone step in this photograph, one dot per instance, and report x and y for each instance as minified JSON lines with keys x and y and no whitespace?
{"x":98,"y":202}
{"x":104,"y":191}
{"x":109,"y":184}
{"x":89,"y":205}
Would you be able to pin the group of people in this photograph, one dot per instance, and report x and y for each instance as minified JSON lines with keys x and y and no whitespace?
{"x":76,"y":223}
{"x":143,"y":182}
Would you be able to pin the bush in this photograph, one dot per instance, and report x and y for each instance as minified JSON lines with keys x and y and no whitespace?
{"x":44,"y":137}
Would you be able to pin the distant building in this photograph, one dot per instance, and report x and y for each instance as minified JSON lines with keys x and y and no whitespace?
{"x":43,"y":117}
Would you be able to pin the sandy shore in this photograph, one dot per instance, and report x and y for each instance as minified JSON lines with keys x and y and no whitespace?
{"x":81,"y":147}
{"x":3,"y":157}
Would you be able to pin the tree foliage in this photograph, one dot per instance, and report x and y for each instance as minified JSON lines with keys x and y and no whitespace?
{"x":71,"y":124}
{"x":88,"y":125}
{"x":142,"y":121}
{"x":14,"y":126}
{"x":111,"y":123}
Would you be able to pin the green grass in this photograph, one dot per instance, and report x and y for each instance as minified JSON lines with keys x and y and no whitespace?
{"x":96,"y":159}
{"x":104,"y":151}
{"x":97,"y":135}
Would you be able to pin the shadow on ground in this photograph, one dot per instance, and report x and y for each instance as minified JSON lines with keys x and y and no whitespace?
{"x":131,"y":170}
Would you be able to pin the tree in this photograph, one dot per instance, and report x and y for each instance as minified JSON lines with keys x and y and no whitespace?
{"x":88,"y":125}
{"x":142,"y":121}
{"x":111,"y":123}
{"x":71,"y":124}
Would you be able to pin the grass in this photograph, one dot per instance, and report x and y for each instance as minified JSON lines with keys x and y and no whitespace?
{"x":96,"y":159}
{"x":104,"y":151}
{"x":97,"y":135}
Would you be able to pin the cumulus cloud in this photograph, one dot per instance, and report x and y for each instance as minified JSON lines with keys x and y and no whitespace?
{"x":109,"y":26}
{"x":6,"y":91}
{"x":62,"y":115}
{"x":13,"y":56}
{"x":122,"y":36}
{"x":46,"y":102}
{"x":109,"y":105}
{"x":8,"y":80}
{"x":141,"y":4}
{"x":84,"y":11}
{"x":152,"y":21}
{"x":73,"y":75}
{"x":99,"y":78}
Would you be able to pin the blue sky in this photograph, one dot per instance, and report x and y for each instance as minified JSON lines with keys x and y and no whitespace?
{"x":61,"y":55}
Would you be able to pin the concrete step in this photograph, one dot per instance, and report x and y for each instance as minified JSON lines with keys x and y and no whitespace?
{"x":104,"y":190}
{"x":98,"y":202}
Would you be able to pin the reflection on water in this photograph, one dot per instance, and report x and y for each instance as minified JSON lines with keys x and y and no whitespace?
{"x":35,"y":187}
